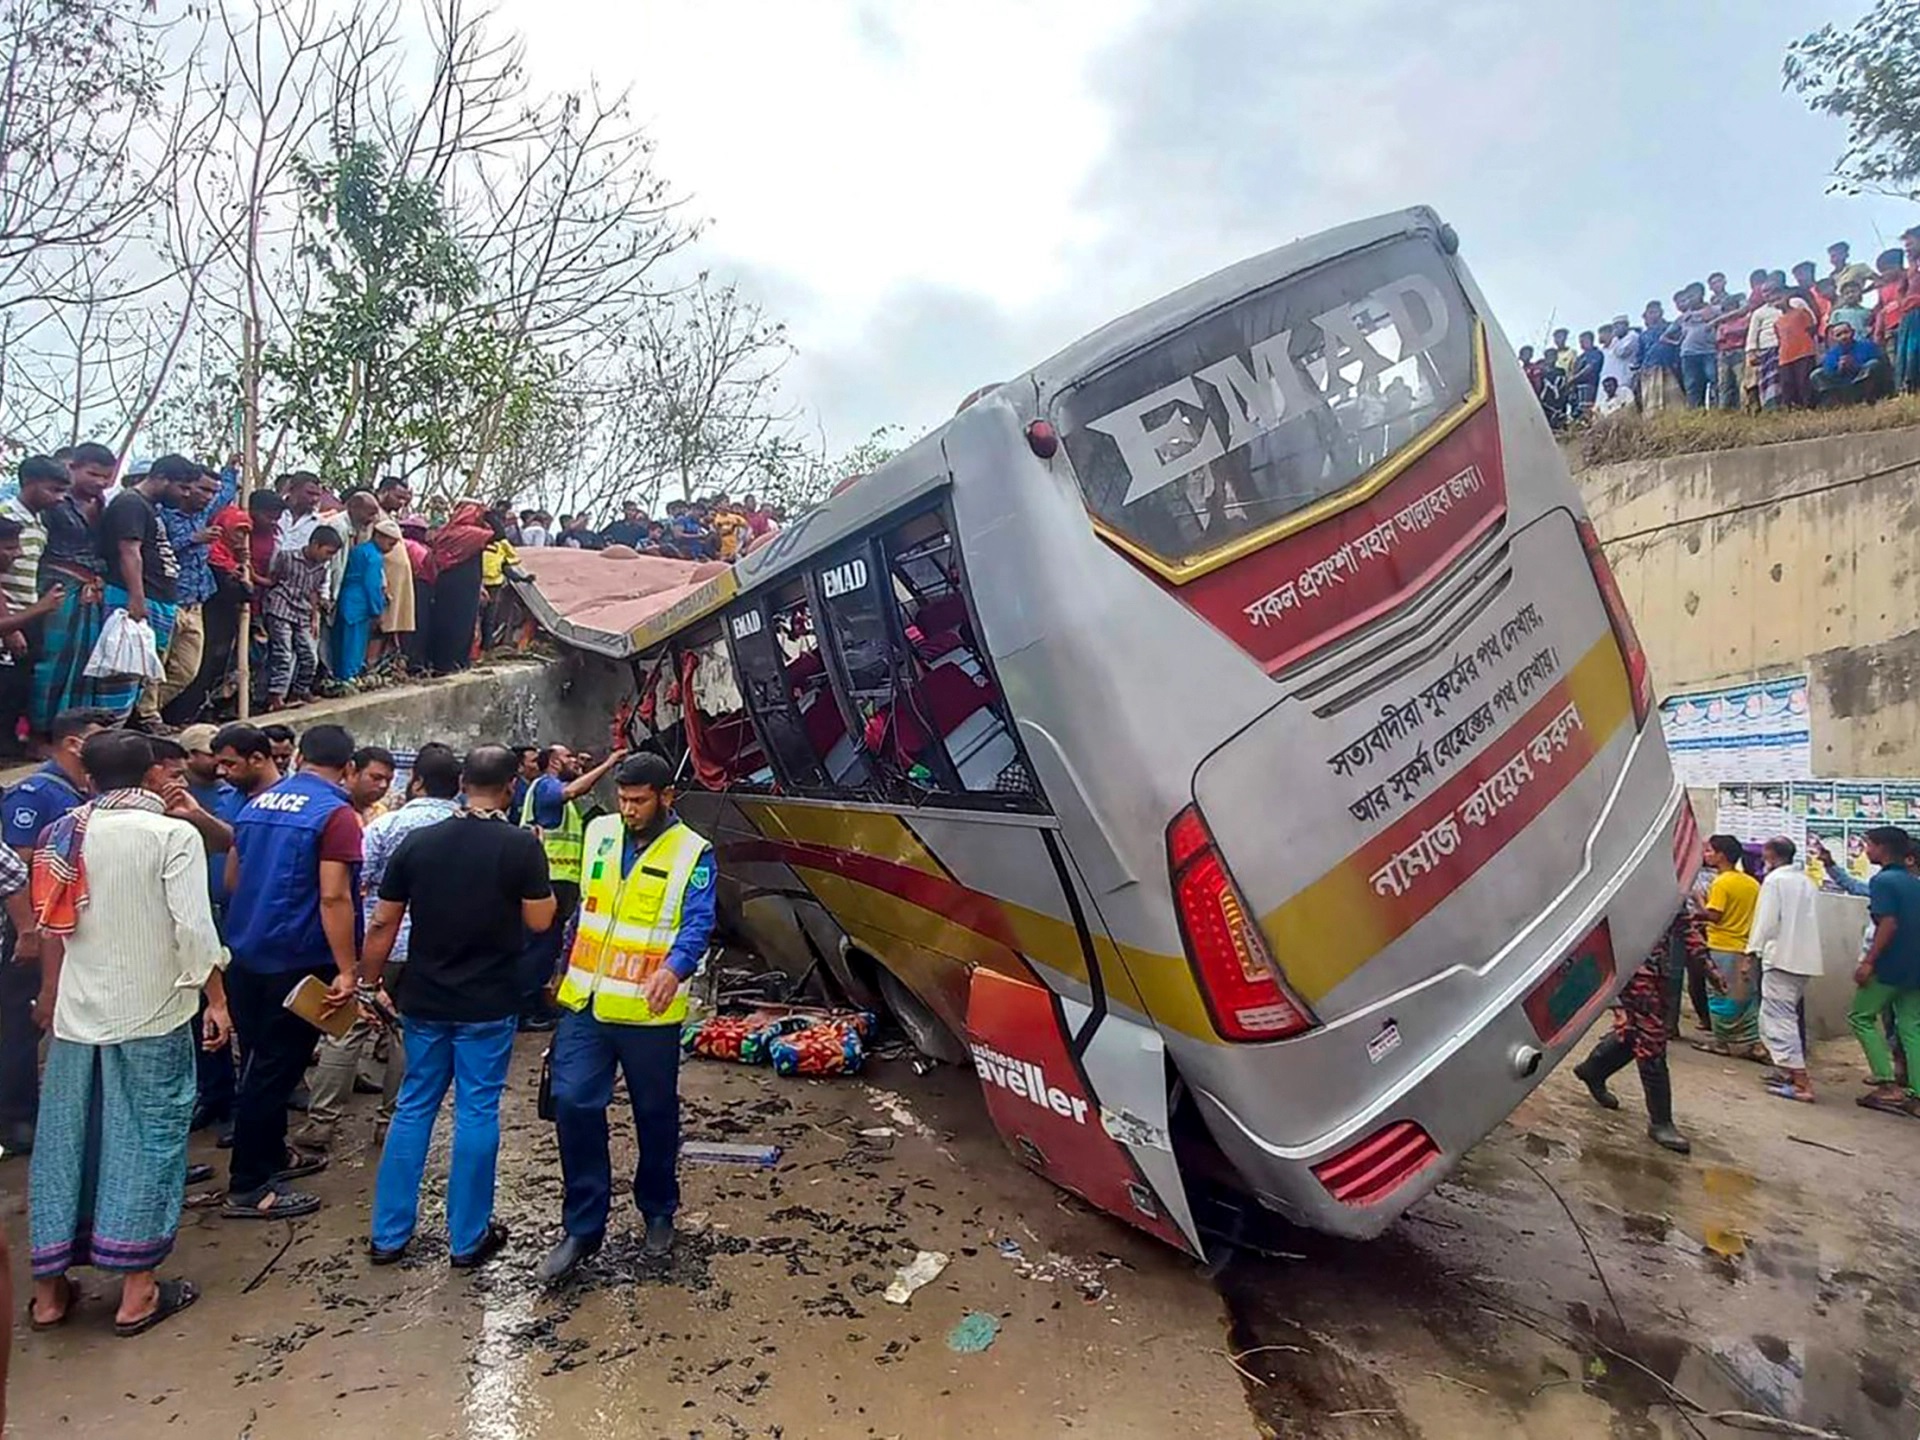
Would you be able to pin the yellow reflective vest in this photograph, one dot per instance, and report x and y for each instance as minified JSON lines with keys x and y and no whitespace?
{"x":628,"y":923}
{"x":564,"y":846}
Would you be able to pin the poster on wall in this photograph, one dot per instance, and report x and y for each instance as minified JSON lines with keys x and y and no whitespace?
{"x":1812,"y":813}
{"x":1740,"y":732}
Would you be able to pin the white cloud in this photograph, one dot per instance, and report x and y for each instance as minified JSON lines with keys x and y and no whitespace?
{"x":933,"y":195}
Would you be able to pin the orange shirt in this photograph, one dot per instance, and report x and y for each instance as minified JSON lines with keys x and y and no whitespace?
{"x":1797,"y":328}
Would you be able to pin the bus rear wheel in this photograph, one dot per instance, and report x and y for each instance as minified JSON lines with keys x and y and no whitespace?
{"x":924,"y":1030}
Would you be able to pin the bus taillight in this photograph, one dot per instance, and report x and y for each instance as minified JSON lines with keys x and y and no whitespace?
{"x":1229,"y":957}
{"x":1639,"y":677}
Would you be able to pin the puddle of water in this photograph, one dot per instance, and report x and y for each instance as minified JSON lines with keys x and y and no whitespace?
{"x":497,"y":1400}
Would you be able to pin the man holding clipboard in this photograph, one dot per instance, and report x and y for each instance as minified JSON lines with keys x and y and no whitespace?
{"x":293,"y":911}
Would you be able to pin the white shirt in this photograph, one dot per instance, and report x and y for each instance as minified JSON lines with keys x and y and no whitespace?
{"x":1760,"y":331}
{"x":145,"y":942}
{"x":293,"y":531}
{"x":1623,"y":358}
{"x":533,"y":537}
{"x":1786,"y":923}
{"x":1607,"y":404}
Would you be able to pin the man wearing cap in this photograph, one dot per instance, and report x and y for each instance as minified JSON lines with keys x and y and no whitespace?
{"x":1623,"y":354}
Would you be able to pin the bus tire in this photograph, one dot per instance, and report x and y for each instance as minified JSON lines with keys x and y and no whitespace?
{"x":925,"y":1031}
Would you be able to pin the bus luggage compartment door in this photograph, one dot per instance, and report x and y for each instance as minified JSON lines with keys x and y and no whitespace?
{"x":1094,"y":1122}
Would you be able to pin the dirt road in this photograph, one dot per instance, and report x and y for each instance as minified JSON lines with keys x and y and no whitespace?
{"x":1762,"y":1275}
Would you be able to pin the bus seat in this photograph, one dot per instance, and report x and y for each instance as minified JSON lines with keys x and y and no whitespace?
{"x":827,"y":736}
{"x":804,"y":667}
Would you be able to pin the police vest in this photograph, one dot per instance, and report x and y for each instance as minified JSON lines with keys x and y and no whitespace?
{"x":565,"y":845}
{"x":627,"y":924}
{"x":273,"y":919}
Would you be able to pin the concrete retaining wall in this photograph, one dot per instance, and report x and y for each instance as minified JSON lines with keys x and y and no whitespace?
{"x":569,"y":701}
{"x":1782,"y":559}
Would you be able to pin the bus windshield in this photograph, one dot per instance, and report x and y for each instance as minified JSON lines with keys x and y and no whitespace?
{"x":1248,"y":416}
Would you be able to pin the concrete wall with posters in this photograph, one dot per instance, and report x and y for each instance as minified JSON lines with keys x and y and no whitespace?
{"x":1778,"y":560}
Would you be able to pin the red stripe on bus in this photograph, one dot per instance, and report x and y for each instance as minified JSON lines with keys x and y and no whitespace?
{"x":966,"y":908}
{"x":1365,"y":560}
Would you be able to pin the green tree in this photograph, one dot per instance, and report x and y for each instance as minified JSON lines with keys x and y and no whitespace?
{"x":795,"y":476}
{"x":1867,"y":75}
{"x":375,"y":368}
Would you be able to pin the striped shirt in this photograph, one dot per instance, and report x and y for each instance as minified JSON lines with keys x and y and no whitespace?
{"x":21,"y":583}
{"x":384,"y":835}
{"x":145,"y":942}
{"x":298,"y":584}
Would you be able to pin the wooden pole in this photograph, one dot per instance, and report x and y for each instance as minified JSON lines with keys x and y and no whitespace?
{"x":249,"y":479}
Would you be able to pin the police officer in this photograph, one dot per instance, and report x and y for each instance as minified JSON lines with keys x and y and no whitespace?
{"x":646,"y":914}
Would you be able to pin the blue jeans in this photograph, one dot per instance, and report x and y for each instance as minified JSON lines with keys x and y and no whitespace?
{"x":585,"y":1052}
{"x":1696,"y":377}
{"x":473,"y":1059}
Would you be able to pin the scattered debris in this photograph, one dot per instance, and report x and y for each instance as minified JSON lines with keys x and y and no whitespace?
{"x":927,"y":1265}
{"x":896,"y":1109}
{"x":973,"y":1334}
{"x":1083,"y":1275}
{"x":1823,"y":1145}
{"x":714,"y":1152}
{"x":879,"y":1132}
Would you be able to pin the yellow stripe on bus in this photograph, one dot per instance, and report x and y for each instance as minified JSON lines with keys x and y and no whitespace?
{"x":869,"y":832}
{"x":1335,"y":925}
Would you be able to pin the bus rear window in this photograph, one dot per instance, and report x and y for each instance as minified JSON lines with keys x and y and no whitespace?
{"x":1255,"y":412}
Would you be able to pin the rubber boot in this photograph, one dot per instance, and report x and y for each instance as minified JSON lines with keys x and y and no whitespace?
{"x":1658,"y":1086}
{"x":1609,"y":1056}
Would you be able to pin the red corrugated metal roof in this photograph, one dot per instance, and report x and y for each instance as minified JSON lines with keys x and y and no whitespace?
{"x":604,"y":599}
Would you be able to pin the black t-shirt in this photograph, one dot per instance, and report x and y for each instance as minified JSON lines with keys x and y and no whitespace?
{"x":131,"y":516}
{"x":70,"y":543}
{"x":462,"y":882}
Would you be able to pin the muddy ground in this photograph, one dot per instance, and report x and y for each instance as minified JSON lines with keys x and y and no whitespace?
{"x":1764,"y":1275}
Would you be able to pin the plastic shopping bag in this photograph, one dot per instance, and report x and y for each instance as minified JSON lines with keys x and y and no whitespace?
{"x":126,"y":650}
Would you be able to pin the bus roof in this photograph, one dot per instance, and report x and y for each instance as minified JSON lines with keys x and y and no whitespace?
{"x":921,"y":469}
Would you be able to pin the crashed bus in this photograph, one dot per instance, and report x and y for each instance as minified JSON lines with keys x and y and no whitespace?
{"x":1227,"y":737}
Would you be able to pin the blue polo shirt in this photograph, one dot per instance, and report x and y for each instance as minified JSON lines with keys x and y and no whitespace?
{"x":1894,"y":892}
{"x":35,"y":803}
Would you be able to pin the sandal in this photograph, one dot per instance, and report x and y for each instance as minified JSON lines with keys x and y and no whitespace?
{"x":1787,"y":1092}
{"x":199,"y":1174}
{"x":66,"y":1314}
{"x":1712,"y":1047}
{"x":1886,"y":1104}
{"x":300,"y":1162}
{"x":269,"y":1202}
{"x":175,"y":1296}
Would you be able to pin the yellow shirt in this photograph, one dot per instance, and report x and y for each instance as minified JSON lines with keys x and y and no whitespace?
{"x":1734,"y":895}
{"x":730,"y":530}
{"x":494,"y":561}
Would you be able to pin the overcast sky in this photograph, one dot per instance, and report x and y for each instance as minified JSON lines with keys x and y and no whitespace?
{"x":936,"y":195}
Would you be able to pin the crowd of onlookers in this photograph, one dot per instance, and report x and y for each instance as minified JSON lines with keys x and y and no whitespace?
{"x":719,"y":528}
{"x":1796,"y":340}
{"x":321,"y":592}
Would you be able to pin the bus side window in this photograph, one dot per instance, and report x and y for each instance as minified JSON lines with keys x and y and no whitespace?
{"x":955,"y":694}
{"x":725,"y":749}
{"x":838,"y":753}
{"x":657,"y":722}
{"x":784,"y":682}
